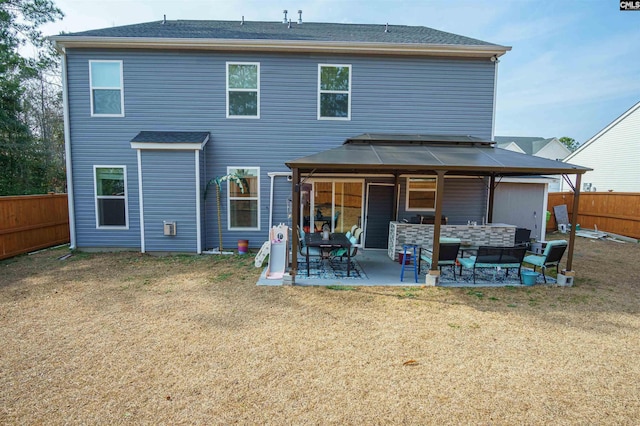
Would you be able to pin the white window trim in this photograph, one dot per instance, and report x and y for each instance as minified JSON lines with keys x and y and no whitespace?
{"x":406,"y":195}
{"x":348,"y":92}
{"x":257,"y":90}
{"x":103,"y":197}
{"x":229,"y":199}
{"x":121,"y":88}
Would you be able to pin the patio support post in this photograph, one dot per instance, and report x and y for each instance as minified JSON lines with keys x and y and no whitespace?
{"x":437,"y":221}
{"x":574,"y":221}
{"x":396,"y":194}
{"x":492,"y":189}
{"x":295,"y":220}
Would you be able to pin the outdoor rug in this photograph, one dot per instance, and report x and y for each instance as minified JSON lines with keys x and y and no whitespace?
{"x":486,"y":276}
{"x":329,"y":269}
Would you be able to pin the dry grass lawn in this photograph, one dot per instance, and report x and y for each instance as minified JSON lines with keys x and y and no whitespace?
{"x":126,"y":338}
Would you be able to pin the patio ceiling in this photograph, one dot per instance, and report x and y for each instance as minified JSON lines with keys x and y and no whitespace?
{"x":403,"y":154}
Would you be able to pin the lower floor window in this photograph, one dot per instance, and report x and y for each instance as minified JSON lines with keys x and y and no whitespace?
{"x":111,"y":196}
{"x":421,"y":193}
{"x":243,"y":191}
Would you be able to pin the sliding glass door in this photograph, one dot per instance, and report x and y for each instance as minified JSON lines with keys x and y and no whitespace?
{"x":336,"y":203}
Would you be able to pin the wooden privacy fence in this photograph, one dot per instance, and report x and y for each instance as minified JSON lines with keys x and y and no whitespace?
{"x":615,"y":212}
{"x":32,"y":222}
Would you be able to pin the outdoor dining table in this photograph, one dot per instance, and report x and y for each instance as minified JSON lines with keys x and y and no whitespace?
{"x":335,"y":241}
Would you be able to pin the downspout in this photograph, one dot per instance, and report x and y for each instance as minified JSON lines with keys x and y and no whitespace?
{"x":141,"y":202}
{"x":495,"y":95}
{"x":67,"y":152}
{"x":198,"y":212}
{"x":272,"y":175}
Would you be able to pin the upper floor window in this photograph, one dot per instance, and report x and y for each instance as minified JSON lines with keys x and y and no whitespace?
{"x":110,"y":184}
{"x":107,"y":93}
{"x":421,"y":193}
{"x":334,"y":92}
{"x":244,"y":202}
{"x":243,"y":90}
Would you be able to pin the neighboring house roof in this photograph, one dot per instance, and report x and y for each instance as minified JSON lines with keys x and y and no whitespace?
{"x":457,"y":155}
{"x":530,"y":145}
{"x":279,"y":36}
{"x":511,"y":146}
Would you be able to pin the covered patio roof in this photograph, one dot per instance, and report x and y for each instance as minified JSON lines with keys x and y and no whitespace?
{"x":455,"y":155}
{"x":397,"y":154}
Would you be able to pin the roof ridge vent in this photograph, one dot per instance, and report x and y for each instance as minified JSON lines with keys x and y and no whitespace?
{"x":284,"y":21}
{"x":299,"y":16}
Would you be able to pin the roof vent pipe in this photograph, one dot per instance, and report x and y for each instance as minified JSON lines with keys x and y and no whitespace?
{"x":164,"y":20}
{"x":299,"y":17}
{"x":284,"y":21}
{"x":242,"y":22}
{"x":386,"y":28}
{"x":289,"y":26}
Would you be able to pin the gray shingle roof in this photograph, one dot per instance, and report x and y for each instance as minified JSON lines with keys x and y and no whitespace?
{"x":255,"y":30}
{"x":530,"y":145}
{"x":171,"y":137}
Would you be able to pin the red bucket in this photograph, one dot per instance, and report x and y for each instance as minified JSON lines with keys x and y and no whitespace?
{"x":407,"y":259}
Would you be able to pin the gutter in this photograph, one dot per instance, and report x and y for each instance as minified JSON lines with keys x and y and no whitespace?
{"x":407,"y":49}
{"x":67,"y":152}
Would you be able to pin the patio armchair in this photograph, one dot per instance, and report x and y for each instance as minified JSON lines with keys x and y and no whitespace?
{"x":342,"y":252}
{"x":523,"y":238}
{"x":448,"y":255}
{"x":551,"y":256}
{"x":354,"y":239}
{"x":313,"y":251}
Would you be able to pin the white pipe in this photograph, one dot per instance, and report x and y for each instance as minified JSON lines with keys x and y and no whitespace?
{"x":272,"y":175}
{"x":141,"y":203}
{"x":67,"y":153}
{"x":198,"y":218}
{"x":495,"y":93}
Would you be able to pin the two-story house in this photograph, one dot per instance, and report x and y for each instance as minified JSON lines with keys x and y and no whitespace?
{"x":155,"y":111}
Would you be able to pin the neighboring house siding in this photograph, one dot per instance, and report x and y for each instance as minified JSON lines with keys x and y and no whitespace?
{"x":614,"y":157}
{"x":553,"y":151}
{"x":168,"y":182}
{"x":185,"y":91}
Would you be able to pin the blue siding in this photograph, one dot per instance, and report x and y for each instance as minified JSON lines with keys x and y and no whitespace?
{"x":185,"y":91}
{"x":464,"y":199}
{"x":168,"y":182}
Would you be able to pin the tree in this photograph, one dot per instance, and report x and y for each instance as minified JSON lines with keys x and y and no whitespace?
{"x":22,"y":161}
{"x":218,"y":181}
{"x":570,"y":143}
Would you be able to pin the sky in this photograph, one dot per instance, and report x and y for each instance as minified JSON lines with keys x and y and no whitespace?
{"x":574,"y":66}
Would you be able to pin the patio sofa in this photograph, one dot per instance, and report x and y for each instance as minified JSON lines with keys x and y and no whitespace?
{"x":493,"y":257}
